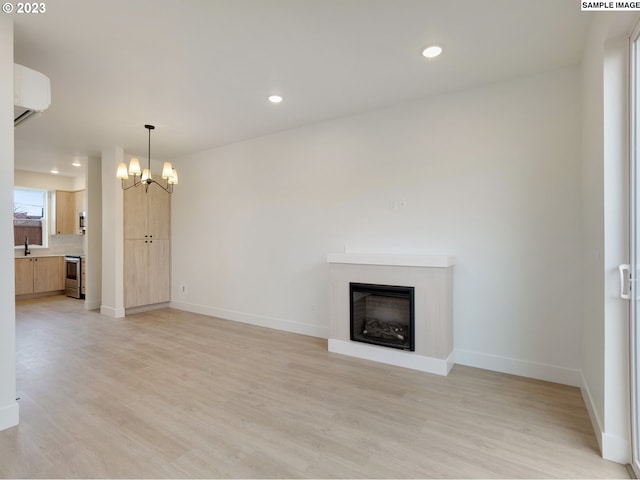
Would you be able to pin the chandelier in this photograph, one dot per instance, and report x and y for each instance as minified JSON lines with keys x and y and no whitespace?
{"x":144,"y":178}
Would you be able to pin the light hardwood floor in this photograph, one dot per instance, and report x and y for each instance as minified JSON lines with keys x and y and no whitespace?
{"x":175,"y":394}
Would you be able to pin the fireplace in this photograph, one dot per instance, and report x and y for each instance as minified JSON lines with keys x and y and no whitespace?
{"x":382,"y":315}
{"x":429,"y":277}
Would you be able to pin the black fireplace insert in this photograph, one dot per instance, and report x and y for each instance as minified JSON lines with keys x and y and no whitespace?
{"x":382,"y":315}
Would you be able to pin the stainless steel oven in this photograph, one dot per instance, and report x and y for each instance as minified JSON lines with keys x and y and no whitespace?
{"x":73,"y":276}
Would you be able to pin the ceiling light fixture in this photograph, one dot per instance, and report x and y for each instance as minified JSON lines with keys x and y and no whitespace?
{"x":55,"y":171}
{"x":76,"y":164}
{"x":432,"y":51}
{"x":168,"y":172}
{"x":275,"y":98}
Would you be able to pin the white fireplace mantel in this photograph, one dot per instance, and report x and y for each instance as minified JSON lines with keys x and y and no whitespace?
{"x":392,"y":259}
{"x":432,"y":278}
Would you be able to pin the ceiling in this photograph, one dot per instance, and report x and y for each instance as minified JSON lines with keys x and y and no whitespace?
{"x":201,"y":70}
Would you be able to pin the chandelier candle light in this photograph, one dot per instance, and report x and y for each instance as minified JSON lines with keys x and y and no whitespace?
{"x":168,"y":172}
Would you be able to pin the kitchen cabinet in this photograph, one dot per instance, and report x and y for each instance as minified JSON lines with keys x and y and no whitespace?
{"x":48,"y":274}
{"x":147,"y":248}
{"x":24,"y":276}
{"x":39,"y":275}
{"x":68,"y":208}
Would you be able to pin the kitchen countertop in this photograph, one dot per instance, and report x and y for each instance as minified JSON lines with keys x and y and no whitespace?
{"x":21,"y":255}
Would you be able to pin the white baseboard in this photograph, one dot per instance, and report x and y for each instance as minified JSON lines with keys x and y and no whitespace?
{"x":612,"y":447}
{"x":615,"y":449}
{"x":539,"y":371}
{"x":9,"y":416}
{"x":145,"y":308}
{"x":253,"y":319}
{"x":596,"y":424}
{"x":390,"y":356}
{"x":111,"y":312}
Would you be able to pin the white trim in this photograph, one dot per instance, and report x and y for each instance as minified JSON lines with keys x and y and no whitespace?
{"x":390,"y":356}
{"x":612,"y":447}
{"x":253,"y":319}
{"x":111,"y":312}
{"x":437,"y":261}
{"x":633,"y":195}
{"x":9,"y":416}
{"x":145,"y":308}
{"x":523,"y":368}
{"x":596,"y":423}
{"x":615,"y":449}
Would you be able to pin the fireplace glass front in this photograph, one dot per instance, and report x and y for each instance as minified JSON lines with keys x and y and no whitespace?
{"x":382,"y":315}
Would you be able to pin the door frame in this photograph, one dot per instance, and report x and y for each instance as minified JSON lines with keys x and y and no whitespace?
{"x":634,"y":186}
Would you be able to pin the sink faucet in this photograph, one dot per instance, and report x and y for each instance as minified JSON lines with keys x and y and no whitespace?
{"x":26,"y":246}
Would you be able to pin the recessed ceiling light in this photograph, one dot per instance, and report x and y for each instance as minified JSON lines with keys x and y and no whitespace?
{"x":55,"y":171}
{"x":275,"y":98}
{"x":76,"y":164}
{"x":432,"y":51}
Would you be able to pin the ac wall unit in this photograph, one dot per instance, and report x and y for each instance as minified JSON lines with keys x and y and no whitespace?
{"x":31,"y":93}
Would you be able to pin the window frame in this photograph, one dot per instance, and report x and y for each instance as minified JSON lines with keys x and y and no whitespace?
{"x":46,"y":218}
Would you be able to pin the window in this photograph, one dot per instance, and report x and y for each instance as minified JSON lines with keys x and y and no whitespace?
{"x":30,"y":217}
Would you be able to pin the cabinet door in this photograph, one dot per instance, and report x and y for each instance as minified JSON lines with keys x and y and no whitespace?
{"x":135,"y":212}
{"x":24,"y":276}
{"x":48,"y":274}
{"x":159,"y":260}
{"x":136,"y":279}
{"x":65,"y":213}
{"x":159,"y":213}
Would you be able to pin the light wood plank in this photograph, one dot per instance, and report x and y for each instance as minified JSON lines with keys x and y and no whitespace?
{"x":65,"y":212}
{"x":24,"y":276}
{"x":159,"y":213}
{"x":171,"y":394}
{"x":48,"y":274}
{"x":159,"y":270}
{"x":136,"y":276}
{"x":135,"y":215}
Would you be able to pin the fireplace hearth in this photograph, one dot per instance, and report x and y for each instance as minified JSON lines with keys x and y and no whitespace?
{"x":382,"y":315}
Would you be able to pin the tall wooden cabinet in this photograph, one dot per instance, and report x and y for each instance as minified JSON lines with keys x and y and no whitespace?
{"x":147,"y":252}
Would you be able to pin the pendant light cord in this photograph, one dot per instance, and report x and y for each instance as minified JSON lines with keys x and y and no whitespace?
{"x":149,"y":127}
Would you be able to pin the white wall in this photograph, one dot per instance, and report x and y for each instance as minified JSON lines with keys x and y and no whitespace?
{"x":616,"y":248}
{"x":43,"y":181}
{"x":490,"y":175}
{"x":112,"y":241}
{"x":8,"y":404}
{"x":605,"y":354}
{"x":593,"y":224}
{"x":93,"y":237}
